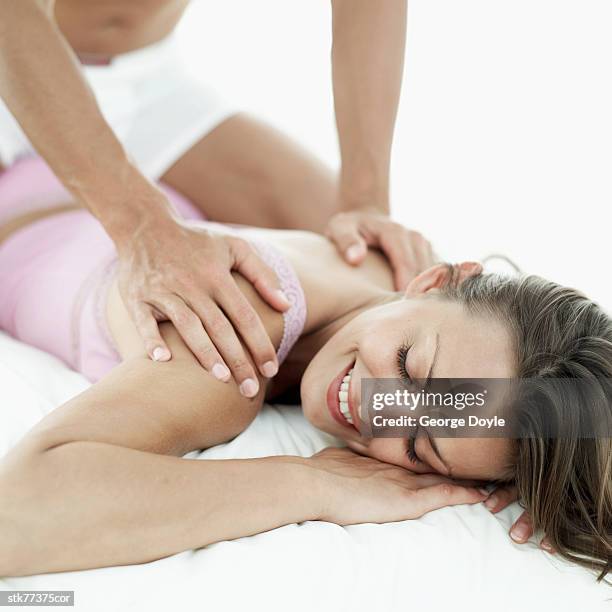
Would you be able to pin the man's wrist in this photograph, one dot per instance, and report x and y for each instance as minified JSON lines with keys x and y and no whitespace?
{"x":366,"y":191}
{"x":368,"y":203}
{"x":127,"y":204}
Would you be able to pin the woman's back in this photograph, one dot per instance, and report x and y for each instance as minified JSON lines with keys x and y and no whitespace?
{"x":57,"y":270}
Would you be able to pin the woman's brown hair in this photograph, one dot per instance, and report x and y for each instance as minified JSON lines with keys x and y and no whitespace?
{"x":563,"y":481}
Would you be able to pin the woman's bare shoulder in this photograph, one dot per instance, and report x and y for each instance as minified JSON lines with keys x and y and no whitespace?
{"x":168,"y":408}
{"x":129,"y":343}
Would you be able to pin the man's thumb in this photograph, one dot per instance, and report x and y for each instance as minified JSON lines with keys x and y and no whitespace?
{"x":356,"y":251}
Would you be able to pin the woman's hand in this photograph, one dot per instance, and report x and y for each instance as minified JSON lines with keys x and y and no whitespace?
{"x":408,"y":252}
{"x":522,"y":529}
{"x":359,"y":489}
{"x":180,"y":273}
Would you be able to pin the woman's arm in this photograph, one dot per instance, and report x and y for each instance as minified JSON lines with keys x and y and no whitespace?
{"x":95,"y":464}
{"x":100,"y":480}
{"x":90,"y":486}
{"x":88,"y":504}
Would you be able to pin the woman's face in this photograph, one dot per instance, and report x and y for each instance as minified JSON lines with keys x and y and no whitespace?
{"x":443,"y":341}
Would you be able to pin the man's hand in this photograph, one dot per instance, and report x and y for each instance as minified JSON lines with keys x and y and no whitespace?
{"x":169,"y":271}
{"x":408,"y":252}
{"x":522,"y":529}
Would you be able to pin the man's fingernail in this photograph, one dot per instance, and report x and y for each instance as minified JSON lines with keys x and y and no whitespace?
{"x":282,"y":295}
{"x":269,"y":369}
{"x":160,"y":354}
{"x":491,"y":502}
{"x":484,"y":491}
{"x":354,"y":252}
{"x":249,"y":387}
{"x":519,"y":533}
{"x":220,"y":371}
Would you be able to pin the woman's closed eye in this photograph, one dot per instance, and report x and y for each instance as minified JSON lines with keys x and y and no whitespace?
{"x":411,"y":451}
{"x":421,"y":460}
{"x":402,"y":356}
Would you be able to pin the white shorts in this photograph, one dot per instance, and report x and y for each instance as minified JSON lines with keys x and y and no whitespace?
{"x":155,"y":107}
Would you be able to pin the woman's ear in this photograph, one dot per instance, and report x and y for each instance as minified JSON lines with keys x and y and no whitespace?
{"x":439,"y":275}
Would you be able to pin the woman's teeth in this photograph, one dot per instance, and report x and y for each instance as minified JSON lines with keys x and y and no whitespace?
{"x":343,"y":397}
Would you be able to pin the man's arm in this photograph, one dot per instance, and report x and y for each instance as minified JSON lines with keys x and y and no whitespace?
{"x":165,"y":269}
{"x":367,"y":59}
{"x":369,"y":39}
{"x":43,"y":87}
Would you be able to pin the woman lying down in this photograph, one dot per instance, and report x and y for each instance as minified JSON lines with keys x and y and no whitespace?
{"x":109,"y":462}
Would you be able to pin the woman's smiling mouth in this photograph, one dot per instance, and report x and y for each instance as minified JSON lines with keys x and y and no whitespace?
{"x":338,"y":399}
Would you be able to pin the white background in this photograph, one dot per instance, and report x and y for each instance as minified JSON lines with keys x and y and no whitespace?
{"x":504,"y":134}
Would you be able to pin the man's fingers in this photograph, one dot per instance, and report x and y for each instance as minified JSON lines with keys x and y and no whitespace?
{"x":224,"y":338}
{"x":401,"y":257}
{"x":501,"y":498}
{"x":356,"y":252}
{"x":442,"y":495}
{"x":522,"y":529}
{"x":260,"y":275}
{"x":423,"y":253}
{"x":189,"y":326}
{"x":148,"y":329}
{"x":343,"y":231}
{"x":250,"y":327}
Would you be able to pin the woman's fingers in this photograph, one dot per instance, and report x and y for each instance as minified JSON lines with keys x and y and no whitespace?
{"x":442,"y":495}
{"x":547,"y":546}
{"x":361,"y":489}
{"x":522,"y":529}
{"x":501,"y":498}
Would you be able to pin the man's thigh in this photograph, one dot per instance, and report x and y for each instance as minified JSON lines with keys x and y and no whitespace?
{"x":245,"y":171}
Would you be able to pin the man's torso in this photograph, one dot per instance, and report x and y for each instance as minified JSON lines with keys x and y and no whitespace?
{"x":100,"y":29}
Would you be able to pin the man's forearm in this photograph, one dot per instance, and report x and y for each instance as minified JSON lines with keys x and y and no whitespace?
{"x":42,"y":85}
{"x":368,"y":53}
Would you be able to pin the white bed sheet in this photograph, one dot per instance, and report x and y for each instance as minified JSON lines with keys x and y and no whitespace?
{"x":453,"y":559}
